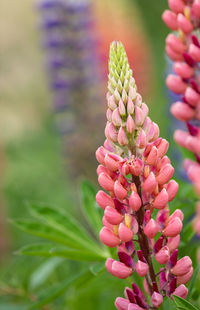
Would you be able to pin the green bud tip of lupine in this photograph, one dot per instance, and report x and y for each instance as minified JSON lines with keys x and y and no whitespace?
{"x":119,"y":69}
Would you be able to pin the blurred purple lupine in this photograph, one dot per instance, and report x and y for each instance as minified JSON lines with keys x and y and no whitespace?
{"x":73,"y":67}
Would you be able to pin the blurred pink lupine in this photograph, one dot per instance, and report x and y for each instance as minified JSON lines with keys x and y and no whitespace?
{"x":184,"y":49}
{"x":135,"y":172}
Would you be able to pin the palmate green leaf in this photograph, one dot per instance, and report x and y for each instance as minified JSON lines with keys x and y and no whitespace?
{"x":183,"y":304}
{"x":42,"y":230}
{"x":88,"y":195}
{"x":49,"y":250}
{"x":53,"y":292}
{"x":67,"y":225}
{"x":78,"y":255}
{"x":36,"y":249}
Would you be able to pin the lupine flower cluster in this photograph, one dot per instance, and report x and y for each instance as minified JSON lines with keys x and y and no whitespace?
{"x":74,"y":77}
{"x":135,"y":173}
{"x":183,"y":47}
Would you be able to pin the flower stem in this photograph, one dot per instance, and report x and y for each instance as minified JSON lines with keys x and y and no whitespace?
{"x":143,"y":240}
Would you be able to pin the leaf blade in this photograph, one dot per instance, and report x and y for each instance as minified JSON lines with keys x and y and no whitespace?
{"x":65,"y":223}
{"x":182,"y":303}
{"x":89,"y":206}
{"x":192,"y":281}
{"x":55,"y":291}
{"x":42,"y":230}
{"x":49,"y":250}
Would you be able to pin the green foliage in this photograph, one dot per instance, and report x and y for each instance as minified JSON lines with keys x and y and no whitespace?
{"x":89,"y":206}
{"x":41,"y":274}
{"x":182,"y":304}
{"x":61,"y":228}
{"x":65,"y":223}
{"x":55,"y":291}
{"x":192,"y":281}
{"x":70,"y":240}
{"x":187,"y":233}
{"x":49,"y":250}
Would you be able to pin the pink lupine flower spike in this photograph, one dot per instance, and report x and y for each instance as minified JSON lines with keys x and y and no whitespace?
{"x":184,"y":50}
{"x":135,"y":172}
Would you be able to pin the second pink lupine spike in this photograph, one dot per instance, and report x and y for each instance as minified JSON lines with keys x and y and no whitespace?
{"x":184,"y":49}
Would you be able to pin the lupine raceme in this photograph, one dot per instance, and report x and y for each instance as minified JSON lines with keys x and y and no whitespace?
{"x":73,"y":71}
{"x":183,"y":47}
{"x":135,"y":174}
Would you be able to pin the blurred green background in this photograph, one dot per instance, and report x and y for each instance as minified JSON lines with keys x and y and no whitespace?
{"x":32,"y":165}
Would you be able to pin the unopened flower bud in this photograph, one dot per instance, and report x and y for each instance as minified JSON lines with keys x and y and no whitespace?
{"x":110,"y":132}
{"x":150,"y":183}
{"x":116,"y":118}
{"x":111,"y":103}
{"x":183,"y":70}
{"x":173,"y":243}
{"x":104,"y":200}
{"x":121,"y":303}
{"x":173,"y":228}
{"x":176,"y":84}
{"x":142,"y":140}
{"x":182,"y":266}
{"x":122,"y":109}
{"x":182,"y":111}
{"x":184,"y":24}
{"x":176,"y":6}
{"x":156,"y":299}
{"x":142,"y":268}
{"x":177,"y":213}
{"x":119,"y":190}
{"x":162,"y":147}
{"x":175,"y":43}
{"x":125,"y":233}
{"x":135,"y":201}
{"x":172,"y":189}
{"x":122,"y":137}
{"x":130,"y":106}
{"x":151,"y":229}
{"x":162,"y":256}
{"x":161,"y":200}
{"x":196,"y":8}
{"x":192,"y":97}
{"x":112,"y":216}
{"x":139,"y":116}
{"x":173,"y":259}
{"x":112,"y":161}
{"x":181,"y":291}
{"x":130,"y":126}
{"x":126,"y":259}
{"x":153,"y":156}
{"x":185,"y":277}
{"x":158,"y":245}
{"x":109,"y":238}
{"x":170,"y":19}
{"x":106,"y":181}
